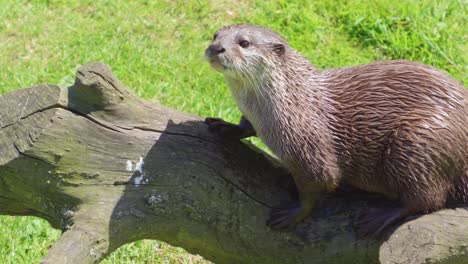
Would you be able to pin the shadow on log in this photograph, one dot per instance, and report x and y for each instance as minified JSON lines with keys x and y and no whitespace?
{"x":109,"y":168}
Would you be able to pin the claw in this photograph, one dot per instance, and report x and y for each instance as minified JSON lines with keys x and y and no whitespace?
{"x":222,"y":128}
{"x":284,"y":217}
{"x":375,"y":222}
{"x":211,"y":120}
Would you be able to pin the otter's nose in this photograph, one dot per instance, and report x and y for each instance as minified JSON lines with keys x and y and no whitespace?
{"x":215,"y":49}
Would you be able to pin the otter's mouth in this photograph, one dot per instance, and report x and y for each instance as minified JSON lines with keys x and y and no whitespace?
{"x":216,"y":63}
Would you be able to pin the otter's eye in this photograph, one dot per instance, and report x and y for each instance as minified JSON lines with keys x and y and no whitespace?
{"x":244,"y":43}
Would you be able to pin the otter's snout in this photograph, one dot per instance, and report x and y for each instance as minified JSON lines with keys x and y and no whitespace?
{"x":214,"y":49}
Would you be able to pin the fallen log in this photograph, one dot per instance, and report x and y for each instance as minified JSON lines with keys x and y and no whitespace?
{"x":109,"y":168}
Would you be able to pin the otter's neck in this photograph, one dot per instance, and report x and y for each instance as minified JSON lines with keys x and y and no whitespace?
{"x":282,"y":102}
{"x":283,"y":88}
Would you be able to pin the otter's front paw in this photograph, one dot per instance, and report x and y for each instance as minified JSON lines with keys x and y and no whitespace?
{"x":284,"y":217}
{"x":224,"y":129}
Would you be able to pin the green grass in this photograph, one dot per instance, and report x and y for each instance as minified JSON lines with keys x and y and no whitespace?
{"x":156,"y":49}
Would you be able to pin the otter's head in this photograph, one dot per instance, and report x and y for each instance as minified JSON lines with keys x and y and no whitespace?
{"x":244,"y":51}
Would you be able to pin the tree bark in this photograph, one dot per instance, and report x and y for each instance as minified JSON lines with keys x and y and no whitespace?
{"x":109,"y":168}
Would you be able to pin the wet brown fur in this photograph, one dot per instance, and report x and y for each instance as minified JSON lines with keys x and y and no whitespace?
{"x":394,"y":127}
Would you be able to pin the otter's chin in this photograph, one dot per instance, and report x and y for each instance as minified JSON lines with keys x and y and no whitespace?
{"x":217,"y":65}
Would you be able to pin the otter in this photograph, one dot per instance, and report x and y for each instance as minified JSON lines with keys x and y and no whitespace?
{"x":398,"y":128}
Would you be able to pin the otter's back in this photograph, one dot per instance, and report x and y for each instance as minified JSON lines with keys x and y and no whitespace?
{"x":388,"y":106}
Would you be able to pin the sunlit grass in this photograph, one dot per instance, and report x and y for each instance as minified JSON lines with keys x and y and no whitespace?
{"x":156,"y":49}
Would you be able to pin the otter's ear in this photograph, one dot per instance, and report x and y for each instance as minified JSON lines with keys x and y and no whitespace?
{"x":279,"y":49}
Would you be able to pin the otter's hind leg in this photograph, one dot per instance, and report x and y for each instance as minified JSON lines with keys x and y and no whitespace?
{"x":411,"y":176}
{"x":460,"y":194}
{"x":376,"y":221}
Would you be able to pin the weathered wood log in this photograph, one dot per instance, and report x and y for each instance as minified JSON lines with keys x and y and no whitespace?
{"x":109,"y":168}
